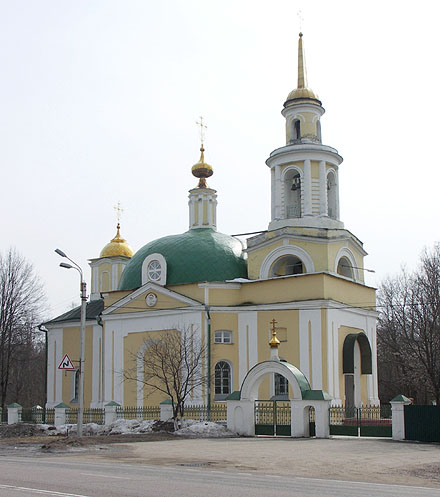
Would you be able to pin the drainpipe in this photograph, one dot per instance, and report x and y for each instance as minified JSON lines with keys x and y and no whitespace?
{"x":42,"y":328}
{"x":209,"y":362}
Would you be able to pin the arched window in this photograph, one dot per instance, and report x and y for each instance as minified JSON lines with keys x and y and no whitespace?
{"x":332,"y":196}
{"x":287,"y":265}
{"x":281,"y":385}
{"x":292,"y":188}
{"x":345,"y":268}
{"x":222,"y":380}
{"x":296,"y":130}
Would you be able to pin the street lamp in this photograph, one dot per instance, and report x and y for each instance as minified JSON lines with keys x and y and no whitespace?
{"x":83,"y":295}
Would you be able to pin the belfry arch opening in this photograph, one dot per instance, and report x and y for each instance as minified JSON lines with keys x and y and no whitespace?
{"x":293,"y":187}
{"x":296,"y":130}
{"x":287,"y":265}
{"x":345,"y":268}
{"x":332,"y":196}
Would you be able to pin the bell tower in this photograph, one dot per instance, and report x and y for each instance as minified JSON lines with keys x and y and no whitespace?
{"x":304,"y":172}
{"x":305,"y":234}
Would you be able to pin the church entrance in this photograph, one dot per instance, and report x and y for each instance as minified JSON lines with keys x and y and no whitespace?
{"x":272,"y":417}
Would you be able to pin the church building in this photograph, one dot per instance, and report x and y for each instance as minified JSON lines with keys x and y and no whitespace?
{"x":305,"y":271}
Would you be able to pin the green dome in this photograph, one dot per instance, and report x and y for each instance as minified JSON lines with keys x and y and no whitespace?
{"x":197,"y":255}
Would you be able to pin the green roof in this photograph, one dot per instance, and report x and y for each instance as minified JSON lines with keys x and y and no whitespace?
{"x":93,"y":310}
{"x":197,"y":255}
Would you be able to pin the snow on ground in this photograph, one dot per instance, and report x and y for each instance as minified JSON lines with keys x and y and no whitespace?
{"x":201,"y":429}
{"x":197,"y":429}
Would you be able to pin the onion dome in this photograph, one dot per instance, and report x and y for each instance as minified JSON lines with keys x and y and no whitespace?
{"x":117,"y":247}
{"x":194,"y":256}
{"x":201,"y":169}
{"x":302,"y":92}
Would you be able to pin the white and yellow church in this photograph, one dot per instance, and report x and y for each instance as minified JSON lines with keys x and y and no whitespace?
{"x":305,"y":271}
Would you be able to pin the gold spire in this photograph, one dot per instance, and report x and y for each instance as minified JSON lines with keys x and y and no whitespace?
{"x":302,"y":91}
{"x":302,"y":76}
{"x":274,"y":342}
{"x":117,"y":246}
{"x":201,"y":169}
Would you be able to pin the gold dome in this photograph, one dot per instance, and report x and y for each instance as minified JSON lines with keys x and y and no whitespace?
{"x":117,"y":247}
{"x":302,"y":92}
{"x":202,"y":170}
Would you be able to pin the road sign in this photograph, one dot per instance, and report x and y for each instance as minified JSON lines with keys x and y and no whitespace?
{"x":66,"y":364}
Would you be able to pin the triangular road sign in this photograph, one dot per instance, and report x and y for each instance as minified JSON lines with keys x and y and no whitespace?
{"x":66,"y":364}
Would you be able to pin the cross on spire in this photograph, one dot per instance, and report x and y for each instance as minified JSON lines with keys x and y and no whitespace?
{"x":300,"y":19}
{"x":119,"y":210}
{"x":202,"y":130}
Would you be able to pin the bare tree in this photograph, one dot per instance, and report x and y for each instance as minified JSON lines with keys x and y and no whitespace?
{"x":409,"y":331}
{"x":173,"y":365}
{"x":21,"y":299}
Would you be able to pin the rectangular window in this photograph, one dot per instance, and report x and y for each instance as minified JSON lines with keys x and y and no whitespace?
{"x":223,"y":336}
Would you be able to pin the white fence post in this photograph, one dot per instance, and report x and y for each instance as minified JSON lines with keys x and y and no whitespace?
{"x":110,"y":412}
{"x":398,"y":416}
{"x":60,"y":414}
{"x":14,"y":413}
{"x":166,"y":410}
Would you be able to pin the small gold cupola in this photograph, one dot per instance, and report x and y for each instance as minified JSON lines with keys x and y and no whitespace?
{"x":302,"y":93}
{"x":201,"y":169}
{"x":274,"y":343}
{"x":202,"y":199}
{"x":117,"y":247}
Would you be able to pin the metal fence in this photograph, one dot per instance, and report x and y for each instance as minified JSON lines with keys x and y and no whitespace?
{"x":216,"y":412}
{"x":369,"y":421}
{"x":139,"y":413}
{"x":95,"y":415}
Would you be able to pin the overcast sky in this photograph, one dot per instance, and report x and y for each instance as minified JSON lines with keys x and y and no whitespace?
{"x":99,"y":98}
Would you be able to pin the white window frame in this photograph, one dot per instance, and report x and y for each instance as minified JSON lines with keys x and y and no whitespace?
{"x":162,"y":280}
{"x":222,"y":336}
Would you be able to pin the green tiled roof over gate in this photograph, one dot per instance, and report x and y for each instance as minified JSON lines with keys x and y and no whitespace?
{"x":197,"y":255}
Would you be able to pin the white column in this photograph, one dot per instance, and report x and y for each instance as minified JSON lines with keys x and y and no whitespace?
{"x":322,"y":190}
{"x":337,"y":195}
{"x":272,"y":193}
{"x":277,"y":204}
{"x":307,"y":188}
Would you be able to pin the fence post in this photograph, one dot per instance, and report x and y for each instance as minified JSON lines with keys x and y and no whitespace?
{"x":166,"y":410}
{"x":60,"y":414}
{"x":37,"y":414}
{"x":110,"y":412}
{"x":398,"y":416}
{"x":14,"y":413}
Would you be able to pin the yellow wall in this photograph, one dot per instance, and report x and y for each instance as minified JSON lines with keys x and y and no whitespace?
{"x":226,"y":352}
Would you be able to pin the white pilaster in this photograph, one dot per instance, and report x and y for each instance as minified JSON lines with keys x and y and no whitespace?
{"x":322,"y":189}
{"x":307,"y":188}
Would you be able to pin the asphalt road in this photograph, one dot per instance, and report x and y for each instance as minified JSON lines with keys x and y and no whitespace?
{"x":68,"y":477}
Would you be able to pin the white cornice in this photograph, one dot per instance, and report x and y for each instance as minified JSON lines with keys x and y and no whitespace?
{"x":223,"y":286}
{"x":301,"y":152}
{"x":145,"y":288}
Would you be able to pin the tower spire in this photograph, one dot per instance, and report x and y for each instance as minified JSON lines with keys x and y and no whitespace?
{"x":302,"y":75}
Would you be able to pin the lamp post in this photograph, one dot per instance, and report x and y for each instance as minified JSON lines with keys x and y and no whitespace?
{"x":82,"y":338}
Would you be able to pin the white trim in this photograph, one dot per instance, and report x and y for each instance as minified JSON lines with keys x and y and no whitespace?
{"x":163,"y":265}
{"x":224,"y":286}
{"x":150,"y":286}
{"x":285,"y":250}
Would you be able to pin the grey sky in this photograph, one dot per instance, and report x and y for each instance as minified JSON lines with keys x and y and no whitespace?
{"x":98,"y":103}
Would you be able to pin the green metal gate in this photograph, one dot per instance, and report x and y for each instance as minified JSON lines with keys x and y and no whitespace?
{"x":272,"y":417}
{"x":422,"y":423}
{"x":373,"y":421}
